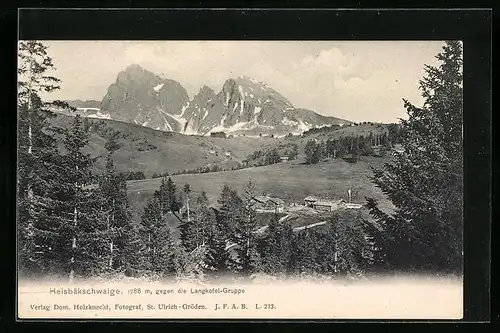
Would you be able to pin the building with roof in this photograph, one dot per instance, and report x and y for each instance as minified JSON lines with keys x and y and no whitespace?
{"x":310,"y":200}
{"x":324,"y":204}
{"x":267,"y":203}
{"x":329,"y":205}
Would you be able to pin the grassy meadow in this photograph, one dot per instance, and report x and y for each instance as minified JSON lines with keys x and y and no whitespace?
{"x":291,"y":181}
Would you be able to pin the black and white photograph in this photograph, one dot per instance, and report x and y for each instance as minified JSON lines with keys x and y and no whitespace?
{"x":222,"y":164}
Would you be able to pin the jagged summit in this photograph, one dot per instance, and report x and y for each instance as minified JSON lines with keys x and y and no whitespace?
{"x":134,"y":67}
{"x":244,"y":105}
{"x":142,"y":97}
{"x":205,"y":90}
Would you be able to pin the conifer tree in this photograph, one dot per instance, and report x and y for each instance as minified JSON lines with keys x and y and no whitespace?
{"x":230,"y":210}
{"x":151,"y":216}
{"x":164,"y":255}
{"x":277,"y":252}
{"x":168,"y":196}
{"x":217,"y":260}
{"x":157,"y":238}
{"x":201,"y":257}
{"x":313,"y":152}
{"x":186,"y":190}
{"x":344,"y":245}
{"x":38,"y":155}
{"x":113,"y":193}
{"x":305,"y":255}
{"x":133,"y":254}
{"x":161,"y":195}
{"x":244,"y":233}
{"x":77,"y":219}
{"x":425,"y":182}
{"x":193,"y":233}
{"x":228,"y":219}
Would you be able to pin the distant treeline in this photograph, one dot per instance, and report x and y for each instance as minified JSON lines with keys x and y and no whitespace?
{"x":210,"y":168}
{"x":133,"y":175}
{"x":325,"y":129}
{"x":203,"y":169}
{"x":270,"y":156}
{"x":349,"y":147}
{"x":259,"y":157}
{"x":392,"y":128}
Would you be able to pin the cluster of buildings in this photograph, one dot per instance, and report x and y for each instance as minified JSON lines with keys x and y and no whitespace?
{"x":329,"y":205}
{"x":266,"y":203}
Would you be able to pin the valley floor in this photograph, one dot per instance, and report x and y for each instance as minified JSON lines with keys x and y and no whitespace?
{"x":290,"y":181}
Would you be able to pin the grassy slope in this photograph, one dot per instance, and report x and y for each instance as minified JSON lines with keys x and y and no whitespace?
{"x":291,"y":181}
{"x":151,"y":151}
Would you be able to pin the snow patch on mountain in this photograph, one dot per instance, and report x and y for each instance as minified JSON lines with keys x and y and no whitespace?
{"x":288,"y":122}
{"x":220,"y":126}
{"x":184,"y":109}
{"x":88,"y":109}
{"x":100,"y":115}
{"x":302,"y":126}
{"x":189,"y":130}
{"x":177,"y":117}
{"x":158,"y":87}
{"x":239,"y":126}
{"x":246,"y":125}
{"x":240,"y":89}
{"x":166,"y":124}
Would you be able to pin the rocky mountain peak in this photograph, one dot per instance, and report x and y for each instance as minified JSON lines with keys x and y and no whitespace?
{"x":142,"y":97}
{"x":206,"y":91}
{"x":244,"y":105}
{"x":134,"y":68}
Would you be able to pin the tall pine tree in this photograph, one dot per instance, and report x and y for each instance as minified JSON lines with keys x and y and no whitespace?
{"x":244,"y":234}
{"x":193,"y":232}
{"x":38,"y":155}
{"x":167,"y":195}
{"x":278,"y":249}
{"x":76,"y":229}
{"x":218,"y":258}
{"x":114,"y":202}
{"x":157,"y":237}
{"x":425,"y":181}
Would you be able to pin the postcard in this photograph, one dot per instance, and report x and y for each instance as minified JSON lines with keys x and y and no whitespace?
{"x":240,"y":179}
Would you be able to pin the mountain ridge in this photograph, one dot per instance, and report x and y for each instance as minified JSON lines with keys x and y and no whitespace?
{"x":243,"y":106}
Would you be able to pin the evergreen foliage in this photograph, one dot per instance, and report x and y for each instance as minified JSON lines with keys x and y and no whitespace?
{"x":39,"y":244}
{"x":425,"y":182}
{"x":313,"y":152}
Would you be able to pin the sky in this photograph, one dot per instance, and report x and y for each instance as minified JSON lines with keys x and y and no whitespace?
{"x":354,"y":80}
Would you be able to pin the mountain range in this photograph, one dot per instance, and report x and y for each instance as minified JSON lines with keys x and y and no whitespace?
{"x":244,"y":106}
